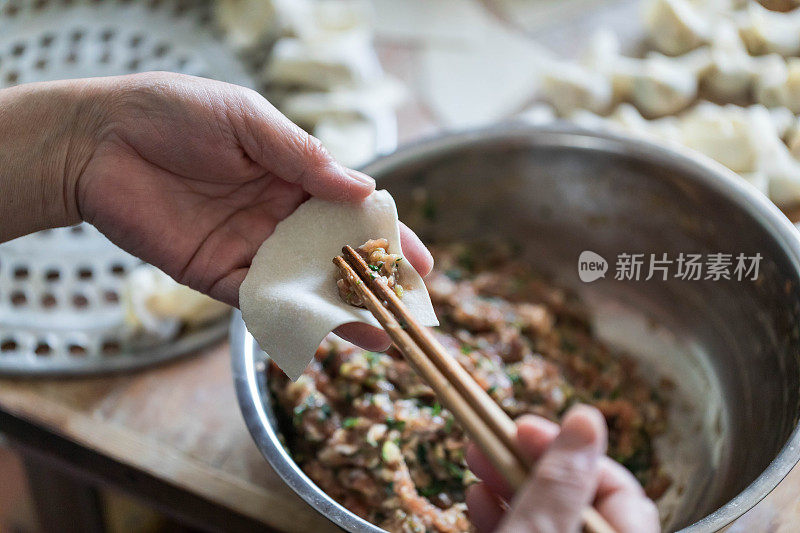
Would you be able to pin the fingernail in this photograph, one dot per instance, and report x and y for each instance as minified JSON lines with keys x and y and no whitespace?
{"x":361,"y":177}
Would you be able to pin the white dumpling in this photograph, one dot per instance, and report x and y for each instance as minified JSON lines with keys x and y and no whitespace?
{"x":664,"y":129}
{"x":792,"y":139}
{"x":720,"y":7}
{"x":624,"y":119}
{"x":777,"y":163}
{"x":784,"y":180}
{"x":343,"y":15}
{"x":627,"y":119}
{"x":158,"y":306}
{"x":246,"y":23}
{"x":732,"y":72}
{"x":538,"y":113}
{"x":781,"y":118}
{"x":780,"y":86}
{"x":351,"y":140}
{"x":764,"y":31}
{"x":725,"y":134}
{"x":308,"y":108}
{"x":675,"y":26}
{"x":345,"y":60}
{"x":662,"y":86}
{"x":570,"y":86}
{"x":590,"y":120}
{"x":791,"y":131}
{"x":748,"y":141}
{"x":321,"y":19}
{"x":603,"y":55}
{"x":757,"y":179}
{"x":657,"y":85}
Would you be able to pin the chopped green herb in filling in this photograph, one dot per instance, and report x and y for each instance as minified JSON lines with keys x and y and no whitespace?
{"x":382,"y":266}
{"x":371,"y":434}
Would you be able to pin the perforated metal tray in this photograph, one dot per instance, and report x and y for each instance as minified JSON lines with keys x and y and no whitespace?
{"x":60,"y":290}
{"x":60,"y":299}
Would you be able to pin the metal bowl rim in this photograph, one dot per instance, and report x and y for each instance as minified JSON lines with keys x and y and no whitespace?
{"x":701,"y":168}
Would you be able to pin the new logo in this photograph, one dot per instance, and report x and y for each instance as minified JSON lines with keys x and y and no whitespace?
{"x":591,"y":266}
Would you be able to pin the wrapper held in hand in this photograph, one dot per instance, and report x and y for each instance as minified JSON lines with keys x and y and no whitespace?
{"x":289,"y":299}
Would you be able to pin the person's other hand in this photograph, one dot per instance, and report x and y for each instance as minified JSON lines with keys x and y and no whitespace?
{"x":188,"y":174}
{"x":571,"y":473}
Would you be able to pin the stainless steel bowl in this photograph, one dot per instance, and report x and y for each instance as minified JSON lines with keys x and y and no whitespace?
{"x":730,"y":346}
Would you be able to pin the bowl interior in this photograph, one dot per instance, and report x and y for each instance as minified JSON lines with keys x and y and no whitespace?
{"x":729,"y":346}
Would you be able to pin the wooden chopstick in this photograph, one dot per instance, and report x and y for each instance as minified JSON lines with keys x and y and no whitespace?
{"x":489,"y":411}
{"x":482,"y":419}
{"x":495,"y":449}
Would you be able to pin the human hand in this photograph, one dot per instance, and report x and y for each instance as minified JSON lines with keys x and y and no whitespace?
{"x":571,"y":472}
{"x":188,"y":174}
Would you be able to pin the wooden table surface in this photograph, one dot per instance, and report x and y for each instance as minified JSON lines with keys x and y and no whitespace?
{"x":174,"y":436}
{"x":178,"y":423}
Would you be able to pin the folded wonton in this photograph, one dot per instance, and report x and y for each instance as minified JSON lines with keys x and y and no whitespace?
{"x":289,"y":299}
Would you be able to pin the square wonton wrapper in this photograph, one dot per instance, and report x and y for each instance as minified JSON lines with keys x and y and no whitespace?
{"x":289,"y":299}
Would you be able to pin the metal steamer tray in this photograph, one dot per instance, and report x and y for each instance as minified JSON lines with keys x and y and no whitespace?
{"x":61,"y":309}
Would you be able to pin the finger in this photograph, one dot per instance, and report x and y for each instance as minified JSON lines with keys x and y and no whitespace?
{"x":483,"y":468}
{"x":226,"y":290}
{"x":363,"y":335}
{"x":617,"y":487}
{"x":534,"y":434}
{"x":621,"y":499}
{"x":615,"y":478}
{"x":369,"y":337}
{"x":485,"y":510}
{"x":629,"y":513}
{"x":566,"y":478}
{"x":285,"y":150}
{"x":415,"y":251}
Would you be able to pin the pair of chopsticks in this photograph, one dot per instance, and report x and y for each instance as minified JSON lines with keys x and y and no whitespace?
{"x":482,"y":419}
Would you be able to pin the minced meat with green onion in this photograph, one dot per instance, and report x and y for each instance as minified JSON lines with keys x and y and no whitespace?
{"x":372,"y":435}
{"x":382,"y":265}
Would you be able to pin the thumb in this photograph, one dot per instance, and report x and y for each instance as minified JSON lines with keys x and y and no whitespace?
{"x":565,"y":479}
{"x":286,"y":151}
